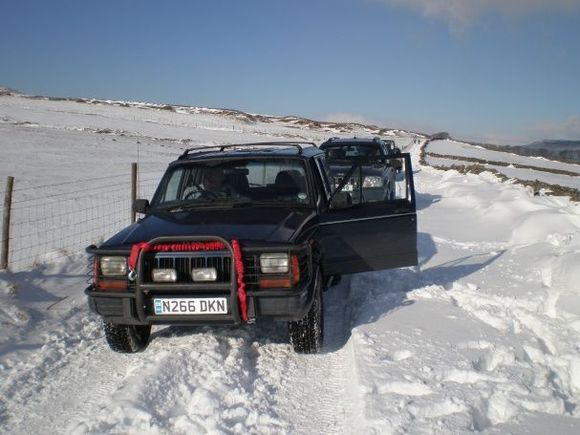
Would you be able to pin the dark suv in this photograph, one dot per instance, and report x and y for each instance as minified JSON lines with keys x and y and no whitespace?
{"x":378,"y":182}
{"x":237,"y":233}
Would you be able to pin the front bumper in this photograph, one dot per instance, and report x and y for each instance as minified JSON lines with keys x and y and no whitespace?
{"x":122,"y":308}
{"x":135,"y":306}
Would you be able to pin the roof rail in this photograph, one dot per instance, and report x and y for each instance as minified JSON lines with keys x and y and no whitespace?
{"x":220,"y":148}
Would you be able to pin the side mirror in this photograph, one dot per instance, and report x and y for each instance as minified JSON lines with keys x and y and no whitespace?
{"x":141,"y":206}
{"x":341,"y":200}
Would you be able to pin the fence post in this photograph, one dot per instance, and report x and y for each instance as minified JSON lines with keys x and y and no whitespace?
{"x":6,"y":223}
{"x":134,"y":170}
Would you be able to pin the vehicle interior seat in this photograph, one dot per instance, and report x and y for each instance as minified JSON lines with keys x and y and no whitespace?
{"x":336,"y":154}
{"x":239,"y":182}
{"x":288,"y":182}
{"x":298,"y":178}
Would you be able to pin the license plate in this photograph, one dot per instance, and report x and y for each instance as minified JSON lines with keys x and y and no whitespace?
{"x":164,"y":306}
{"x":348,"y":188}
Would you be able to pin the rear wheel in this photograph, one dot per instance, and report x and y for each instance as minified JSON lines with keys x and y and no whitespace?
{"x":127,"y":338}
{"x":306,"y":334}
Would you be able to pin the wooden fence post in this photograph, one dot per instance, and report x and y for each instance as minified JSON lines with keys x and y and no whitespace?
{"x":6,"y":223}
{"x":134,"y":170}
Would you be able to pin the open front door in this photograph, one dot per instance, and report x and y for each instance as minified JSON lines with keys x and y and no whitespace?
{"x":371,"y":222}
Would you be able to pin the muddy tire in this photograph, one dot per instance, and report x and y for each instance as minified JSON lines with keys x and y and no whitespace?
{"x":127,"y":338}
{"x":306,"y":335}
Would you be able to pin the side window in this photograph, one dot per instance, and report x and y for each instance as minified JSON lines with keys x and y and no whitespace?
{"x":325,"y":175}
{"x":265,"y":173}
{"x":172,"y":190}
{"x":262,"y":173}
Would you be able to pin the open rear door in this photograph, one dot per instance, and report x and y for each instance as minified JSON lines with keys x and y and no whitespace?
{"x":371,"y":222}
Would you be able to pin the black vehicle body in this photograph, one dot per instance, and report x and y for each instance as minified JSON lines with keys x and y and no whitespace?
{"x":325,"y":236}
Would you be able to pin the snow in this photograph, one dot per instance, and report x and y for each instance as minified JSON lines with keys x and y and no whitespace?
{"x":483,"y":337}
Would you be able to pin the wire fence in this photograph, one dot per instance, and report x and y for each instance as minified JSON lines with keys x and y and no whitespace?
{"x":54,"y":221}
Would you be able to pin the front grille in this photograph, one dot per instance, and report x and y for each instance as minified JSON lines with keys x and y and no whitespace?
{"x":252,"y":271}
{"x":184,"y":262}
{"x":353,"y":182}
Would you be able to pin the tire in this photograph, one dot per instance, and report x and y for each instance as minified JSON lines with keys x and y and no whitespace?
{"x":127,"y":338}
{"x":306,"y":335}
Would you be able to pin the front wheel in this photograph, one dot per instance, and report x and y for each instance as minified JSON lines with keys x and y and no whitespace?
{"x":306,"y":334}
{"x":127,"y":338}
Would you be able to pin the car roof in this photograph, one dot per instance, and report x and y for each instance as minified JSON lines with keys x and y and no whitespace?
{"x":259,"y":149}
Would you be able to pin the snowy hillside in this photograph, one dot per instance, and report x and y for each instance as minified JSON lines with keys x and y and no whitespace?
{"x":484,"y":338}
{"x":551,"y":175}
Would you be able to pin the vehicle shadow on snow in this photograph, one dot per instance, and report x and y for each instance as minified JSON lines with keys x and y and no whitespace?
{"x":364,"y":298}
{"x":424,"y":200}
{"x":426,"y":248}
{"x":28,"y":286}
{"x":40,"y":289}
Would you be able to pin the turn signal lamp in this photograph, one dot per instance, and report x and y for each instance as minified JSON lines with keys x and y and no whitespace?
{"x":285,"y":281}
{"x":274,"y":283}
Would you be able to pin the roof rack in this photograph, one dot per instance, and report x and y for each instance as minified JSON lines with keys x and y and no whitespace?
{"x":220,"y":148}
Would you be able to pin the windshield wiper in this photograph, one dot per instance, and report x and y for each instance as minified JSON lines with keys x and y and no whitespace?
{"x":175,"y":208}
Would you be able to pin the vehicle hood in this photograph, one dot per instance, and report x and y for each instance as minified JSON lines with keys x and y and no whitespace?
{"x":267,"y":224}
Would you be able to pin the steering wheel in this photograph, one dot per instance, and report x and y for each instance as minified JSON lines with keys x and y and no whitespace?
{"x":201,"y":192}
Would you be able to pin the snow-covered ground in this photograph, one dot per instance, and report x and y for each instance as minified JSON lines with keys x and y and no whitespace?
{"x":484,"y":338}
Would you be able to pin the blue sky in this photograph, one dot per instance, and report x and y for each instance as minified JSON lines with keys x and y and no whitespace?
{"x":490,"y":70}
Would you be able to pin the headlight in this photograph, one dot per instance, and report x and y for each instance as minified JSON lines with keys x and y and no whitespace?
{"x":373,"y":181}
{"x":113,"y":266}
{"x":204,"y":274}
{"x":164,"y":275}
{"x":274,"y":263}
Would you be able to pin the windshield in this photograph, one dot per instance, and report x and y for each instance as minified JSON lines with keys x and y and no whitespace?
{"x":235,"y":182}
{"x":340,"y":152}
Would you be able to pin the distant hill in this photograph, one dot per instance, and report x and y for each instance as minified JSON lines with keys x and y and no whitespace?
{"x":250,"y":118}
{"x":562,"y":150}
{"x":567,"y":150}
{"x":555,"y":145}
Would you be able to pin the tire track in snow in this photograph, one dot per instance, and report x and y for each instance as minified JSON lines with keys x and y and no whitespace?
{"x":314,"y":388}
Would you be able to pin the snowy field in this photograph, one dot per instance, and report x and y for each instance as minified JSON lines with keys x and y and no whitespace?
{"x":484,"y":338}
